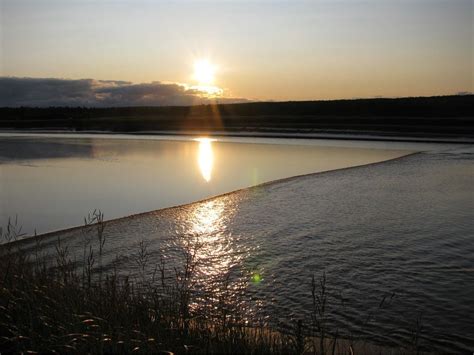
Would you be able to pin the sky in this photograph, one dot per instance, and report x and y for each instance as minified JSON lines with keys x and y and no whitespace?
{"x":145,"y":52}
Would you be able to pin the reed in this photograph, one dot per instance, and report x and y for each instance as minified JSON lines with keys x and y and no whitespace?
{"x":64,"y":306}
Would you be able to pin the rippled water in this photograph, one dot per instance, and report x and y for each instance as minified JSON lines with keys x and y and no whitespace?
{"x":403,"y":229}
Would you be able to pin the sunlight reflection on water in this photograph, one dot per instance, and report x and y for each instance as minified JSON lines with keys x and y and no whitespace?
{"x":214,"y":247}
{"x":205,"y":157}
{"x":218,"y":257}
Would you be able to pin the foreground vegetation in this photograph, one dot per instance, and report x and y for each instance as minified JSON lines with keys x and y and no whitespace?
{"x":57,"y":304}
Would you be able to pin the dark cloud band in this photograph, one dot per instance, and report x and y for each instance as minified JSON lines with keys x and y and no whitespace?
{"x":45,"y":92}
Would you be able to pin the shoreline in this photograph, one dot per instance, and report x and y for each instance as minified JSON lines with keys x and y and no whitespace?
{"x":283,"y":134}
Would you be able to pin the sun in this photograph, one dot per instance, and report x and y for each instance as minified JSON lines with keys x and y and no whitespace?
{"x":204,"y":79}
{"x":204,"y":72}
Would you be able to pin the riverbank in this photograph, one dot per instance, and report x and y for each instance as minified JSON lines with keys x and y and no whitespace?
{"x":288,"y":134}
{"x":437,"y":117}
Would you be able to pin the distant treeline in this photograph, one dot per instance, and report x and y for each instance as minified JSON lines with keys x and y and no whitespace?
{"x":441,"y":115}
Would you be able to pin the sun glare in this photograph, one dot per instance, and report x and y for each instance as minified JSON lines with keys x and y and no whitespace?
{"x":204,"y":72}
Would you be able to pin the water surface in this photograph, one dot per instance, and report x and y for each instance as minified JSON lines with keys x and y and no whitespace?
{"x":52,"y":182}
{"x":401,"y":229}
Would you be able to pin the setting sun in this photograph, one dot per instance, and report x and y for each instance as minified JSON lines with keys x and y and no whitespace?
{"x":204,"y":72}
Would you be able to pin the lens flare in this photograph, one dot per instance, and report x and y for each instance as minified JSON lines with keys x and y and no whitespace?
{"x":256,"y":278}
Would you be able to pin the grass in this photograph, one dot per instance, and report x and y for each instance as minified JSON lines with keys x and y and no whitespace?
{"x":65,"y":306}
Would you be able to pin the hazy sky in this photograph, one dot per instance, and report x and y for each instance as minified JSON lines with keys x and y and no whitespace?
{"x":281,"y":50}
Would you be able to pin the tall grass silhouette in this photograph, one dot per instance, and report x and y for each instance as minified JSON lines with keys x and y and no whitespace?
{"x":59,"y":304}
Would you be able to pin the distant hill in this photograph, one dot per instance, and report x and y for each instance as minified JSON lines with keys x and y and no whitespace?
{"x":440,"y":115}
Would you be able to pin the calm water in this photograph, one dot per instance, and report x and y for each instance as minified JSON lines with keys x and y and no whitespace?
{"x":51,"y":183}
{"x":402,"y":229}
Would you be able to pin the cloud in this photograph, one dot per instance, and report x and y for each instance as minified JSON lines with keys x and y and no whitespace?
{"x":44,"y":92}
